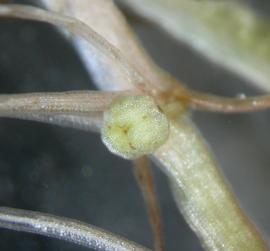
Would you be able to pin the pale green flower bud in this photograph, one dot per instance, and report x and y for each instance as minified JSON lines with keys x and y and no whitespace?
{"x":134,"y":126}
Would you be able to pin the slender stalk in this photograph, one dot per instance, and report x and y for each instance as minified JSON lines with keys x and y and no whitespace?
{"x":77,"y":109}
{"x":64,"y":229}
{"x":179,"y":96}
{"x":212,"y":103}
{"x":88,"y":121}
{"x":60,"y":102}
{"x":116,"y":30}
{"x":143,"y":173}
{"x":203,"y":195}
{"x":78,"y":28}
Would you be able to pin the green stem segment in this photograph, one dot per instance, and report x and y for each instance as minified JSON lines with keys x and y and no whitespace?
{"x":203,"y":196}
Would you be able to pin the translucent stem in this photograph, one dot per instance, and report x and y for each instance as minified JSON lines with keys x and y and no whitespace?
{"x":64,"y":229}
{"x":60,"y":102}
{"x":144,"y":176}
{"x":212,"y":103}
{"x":77,"y":109}
{"x":80,"y":29}
{"x":202,"y":194}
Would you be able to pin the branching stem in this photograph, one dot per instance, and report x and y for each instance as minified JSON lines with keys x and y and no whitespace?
{"x":80,"y":29}
{"x":214,"y":103}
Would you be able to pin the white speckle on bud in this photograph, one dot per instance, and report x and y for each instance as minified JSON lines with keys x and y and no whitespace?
{"x":134,"y":126}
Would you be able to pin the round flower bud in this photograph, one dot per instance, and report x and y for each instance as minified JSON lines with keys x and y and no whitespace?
{"x":134,"y":126}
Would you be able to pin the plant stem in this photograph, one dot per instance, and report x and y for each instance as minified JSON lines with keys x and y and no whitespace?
{"x":144,"y":176}
{"x":109,"y":53}
{"x":64,"y":229}
{"x":202,"y":193}
{"x":227,"y":32}
{"x":60,"y":102}
{"x":77,"y":109}
{"x":213,"y":103}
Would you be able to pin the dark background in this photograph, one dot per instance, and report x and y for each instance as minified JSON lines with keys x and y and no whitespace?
{"x":70,"y":173}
